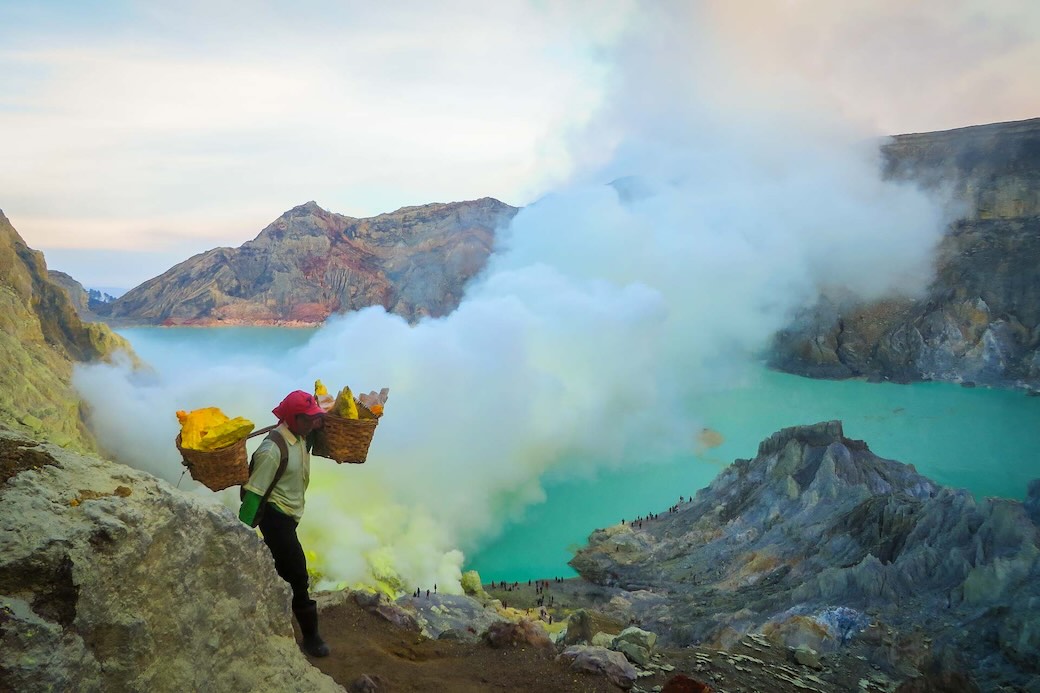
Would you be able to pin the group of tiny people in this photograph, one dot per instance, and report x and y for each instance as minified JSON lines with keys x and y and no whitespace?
{"x":638,"y":522}
{"x":541,"y":589}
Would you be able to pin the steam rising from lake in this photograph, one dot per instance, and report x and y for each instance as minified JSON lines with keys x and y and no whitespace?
{"x":702,"y":212}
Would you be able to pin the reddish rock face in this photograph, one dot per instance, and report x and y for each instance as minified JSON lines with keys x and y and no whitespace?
{"x":310,"y":263}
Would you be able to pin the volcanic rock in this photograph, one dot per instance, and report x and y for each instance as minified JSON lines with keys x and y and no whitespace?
{"x":310,"y":263}
{"x":599,"y":660}
{"x":818,"y":543}
{"x":980,"y":319}
{"x":41,"y":337}
{"x":111,"y":579}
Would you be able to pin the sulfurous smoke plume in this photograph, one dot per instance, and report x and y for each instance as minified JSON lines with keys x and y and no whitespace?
{"x":704,"y":209}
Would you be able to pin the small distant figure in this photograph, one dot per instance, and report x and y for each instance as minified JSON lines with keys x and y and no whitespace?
{"x":435,"y":588}
{"x":427,"y":594}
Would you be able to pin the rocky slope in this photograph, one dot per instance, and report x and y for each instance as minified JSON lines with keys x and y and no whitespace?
{"x":817,"y":543}
{"x":816,"y":566}
{"x":980,"y":321}
{"x":310,"y":263}
{"x":111,"y":580}
{"x":41,"y":337}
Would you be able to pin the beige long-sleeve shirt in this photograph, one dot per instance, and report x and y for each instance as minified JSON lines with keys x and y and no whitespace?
{"x":288,"y":493}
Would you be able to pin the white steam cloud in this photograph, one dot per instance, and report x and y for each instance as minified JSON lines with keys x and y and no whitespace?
{"x":604,"y":307}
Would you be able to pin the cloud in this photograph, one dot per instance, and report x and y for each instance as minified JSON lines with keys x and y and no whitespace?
{"x":143,"y":126}
{"x":167,"y":118}
{"x":893,"y":66}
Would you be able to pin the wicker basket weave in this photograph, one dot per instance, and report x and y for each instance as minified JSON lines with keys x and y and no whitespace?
{"x":217,"y":469}
{"x":344,"y":440}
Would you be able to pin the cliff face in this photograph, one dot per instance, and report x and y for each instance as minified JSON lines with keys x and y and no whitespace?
{"x":78,"y":296}
{"x":41,"y":337}
{"x":980,"y":321}
{"x":818,"y":543}
{"x":311,"y":263}
{"x":111,"y":580}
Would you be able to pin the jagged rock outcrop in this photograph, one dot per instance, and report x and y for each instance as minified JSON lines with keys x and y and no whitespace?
{"x":40,"y":337}
{"x":816,"y":542}
{"x":112,"y":580}
{"x":980,"y":321}
{"x":78,"y":296}
{"x":310,"y":263}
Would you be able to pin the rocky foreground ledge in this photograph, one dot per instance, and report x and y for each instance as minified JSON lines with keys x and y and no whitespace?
{"x":818,"y":543}
{"x":816,"y":566}
{"x":113,"y":580}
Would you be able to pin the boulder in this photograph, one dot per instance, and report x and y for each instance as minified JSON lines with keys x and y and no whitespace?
{"x":599,"y":660}
{"x":376,"y":603}
{"x":523,"y":633}
{"x":636,"y":644}
{"x":634,"y":653}
{"x":807,"y":657}
{"x":450,"y":612}
{"x":584,"y":624}
{"x":111,"y":579}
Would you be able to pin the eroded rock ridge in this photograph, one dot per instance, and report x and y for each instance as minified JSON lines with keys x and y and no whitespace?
{"x":980,"y":320}
{"x":818,"y":543}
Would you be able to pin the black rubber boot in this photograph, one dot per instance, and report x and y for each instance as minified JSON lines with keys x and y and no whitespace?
{"x":307,"y":617}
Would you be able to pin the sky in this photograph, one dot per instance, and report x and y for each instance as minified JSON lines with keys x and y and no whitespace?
{"x":136,"y":134}
{"x":735,"y":199}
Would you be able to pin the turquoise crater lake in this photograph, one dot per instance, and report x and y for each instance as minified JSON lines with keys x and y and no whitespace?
{"x":980,"y":439}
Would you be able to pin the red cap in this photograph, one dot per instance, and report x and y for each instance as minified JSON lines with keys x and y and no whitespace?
{"x":297,"y":402}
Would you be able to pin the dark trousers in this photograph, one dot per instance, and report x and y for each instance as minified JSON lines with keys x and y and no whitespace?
{"x":279,"y":532}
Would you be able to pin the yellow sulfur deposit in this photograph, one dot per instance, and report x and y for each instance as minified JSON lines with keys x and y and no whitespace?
{"x":197,"y":422}
{"x":321,"y":393}
{"x":227,"y":433}
{"x":210,"y":429}
{"x":345,"y":406}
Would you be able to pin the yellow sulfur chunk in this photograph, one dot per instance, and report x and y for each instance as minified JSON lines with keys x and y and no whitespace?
{"x":345,"y":406}
{"x":226,"y":434}
{"x":195,"y":424}
{"x":321,"y":393}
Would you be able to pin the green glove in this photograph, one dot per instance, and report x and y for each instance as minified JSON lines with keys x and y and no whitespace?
{"x":250,"y":505}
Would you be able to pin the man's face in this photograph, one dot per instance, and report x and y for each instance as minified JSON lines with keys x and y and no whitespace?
{"x":304,"y":424}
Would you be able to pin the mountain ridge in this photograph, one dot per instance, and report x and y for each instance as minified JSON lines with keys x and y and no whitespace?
{"x":979,"y":322}
{"x":311,"y":263}
{"x":42,"y":337}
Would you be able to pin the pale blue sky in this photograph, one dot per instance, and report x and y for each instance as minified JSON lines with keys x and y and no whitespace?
{"x":137,"y":133}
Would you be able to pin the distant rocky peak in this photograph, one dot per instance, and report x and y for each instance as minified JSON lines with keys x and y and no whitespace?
{"x":820,"y":434}
{"x":311,"y":207}
{"x":805,"y":468}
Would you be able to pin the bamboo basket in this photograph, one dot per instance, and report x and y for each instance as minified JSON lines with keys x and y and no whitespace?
{"x":217,"y":469}
{"x":344,"y":440}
